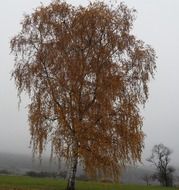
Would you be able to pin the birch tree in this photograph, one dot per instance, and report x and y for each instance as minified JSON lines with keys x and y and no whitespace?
{"x":87,"y":76}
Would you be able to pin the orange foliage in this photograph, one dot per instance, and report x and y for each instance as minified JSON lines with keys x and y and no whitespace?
{"x":86,"y":76}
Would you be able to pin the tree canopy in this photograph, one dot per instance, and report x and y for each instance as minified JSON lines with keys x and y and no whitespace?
{"x":87,"y":76}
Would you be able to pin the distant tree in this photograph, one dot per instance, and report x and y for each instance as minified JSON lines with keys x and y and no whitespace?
{"x":86,"y":76}
{"x":62,"y":174}
{"x":5,"y":172}
{"x":160,"y":158}
{"x":41,"y":174}
{"x":147,"y":178}
{"x":83,"y":177}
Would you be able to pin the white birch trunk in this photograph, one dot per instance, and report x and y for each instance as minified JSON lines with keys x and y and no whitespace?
{"x":72,"y":169}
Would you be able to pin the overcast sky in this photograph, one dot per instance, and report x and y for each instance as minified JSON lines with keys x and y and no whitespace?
{"x":157,"y":24}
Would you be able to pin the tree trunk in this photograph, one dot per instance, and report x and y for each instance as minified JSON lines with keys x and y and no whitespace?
{"x":72,"y":170}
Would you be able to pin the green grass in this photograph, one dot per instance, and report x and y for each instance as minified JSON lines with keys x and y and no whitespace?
{"x":29,"y":183}
{"x":23,"y":182}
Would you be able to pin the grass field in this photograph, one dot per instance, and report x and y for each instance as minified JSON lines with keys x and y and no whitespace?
{"x":29,"y":183}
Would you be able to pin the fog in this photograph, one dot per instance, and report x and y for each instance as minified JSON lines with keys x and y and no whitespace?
{"x":156,"y":24}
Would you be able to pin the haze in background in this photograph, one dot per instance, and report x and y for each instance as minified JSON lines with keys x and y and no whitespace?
{"x":156,"y":24}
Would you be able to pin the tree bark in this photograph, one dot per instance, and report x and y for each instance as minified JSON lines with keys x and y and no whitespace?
{"x":73,"y":169}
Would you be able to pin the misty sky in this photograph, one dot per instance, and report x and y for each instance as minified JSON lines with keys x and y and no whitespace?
{"x":157,"y":24}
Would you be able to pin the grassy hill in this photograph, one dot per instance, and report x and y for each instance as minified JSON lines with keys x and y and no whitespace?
{"x":29,"y":183}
